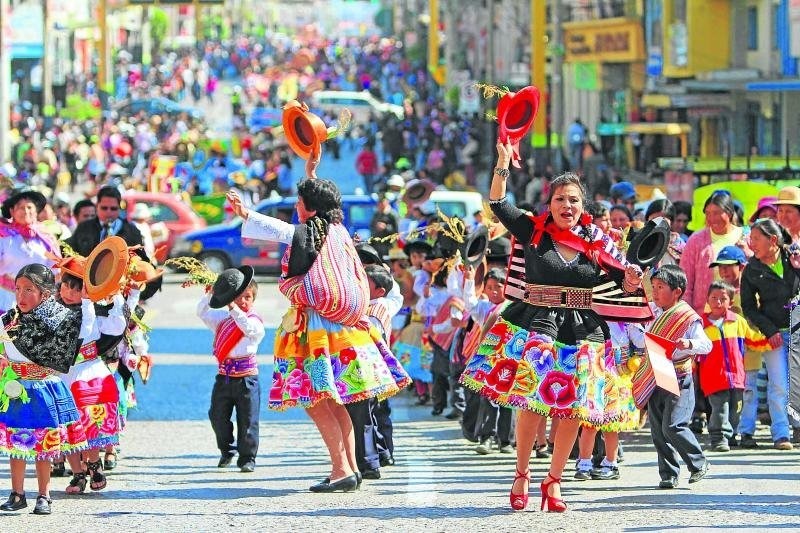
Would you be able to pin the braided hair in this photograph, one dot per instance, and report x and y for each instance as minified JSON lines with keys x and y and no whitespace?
{"x":323,"y":197}
{"x":40,"y":275}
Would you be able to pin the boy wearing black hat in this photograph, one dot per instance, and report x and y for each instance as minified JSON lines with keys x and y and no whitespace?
{"x":238,"y":330}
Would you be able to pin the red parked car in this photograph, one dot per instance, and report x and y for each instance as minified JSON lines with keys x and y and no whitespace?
{"x":167,"y":208}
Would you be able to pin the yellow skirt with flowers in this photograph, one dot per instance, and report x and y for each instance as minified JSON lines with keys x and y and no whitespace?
{"x":326,"y":360}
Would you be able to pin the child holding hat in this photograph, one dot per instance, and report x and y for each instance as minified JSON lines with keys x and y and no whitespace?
{"x":227,"y":308}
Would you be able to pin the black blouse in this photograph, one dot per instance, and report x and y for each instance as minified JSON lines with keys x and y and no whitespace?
{"x":544,"y":265}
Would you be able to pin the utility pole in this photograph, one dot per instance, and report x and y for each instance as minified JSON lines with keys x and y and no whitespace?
{"x":451,"y":41}
{"x":48,"y":110}
{"x":5,"y":80}
{"x":490,"y":45}
{"x":557,"y":87}
{"x":103,"y":88}
{"x":538,"y":31}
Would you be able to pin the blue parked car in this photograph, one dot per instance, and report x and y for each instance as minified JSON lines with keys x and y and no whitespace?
{"x":221,"y":246}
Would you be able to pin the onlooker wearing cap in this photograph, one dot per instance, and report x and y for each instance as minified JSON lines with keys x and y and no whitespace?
{"x":730,"y":262}
{"x":623,"y":193}
{"x":788,"y":211}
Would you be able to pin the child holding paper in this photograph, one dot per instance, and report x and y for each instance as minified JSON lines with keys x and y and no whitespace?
{"x":676,"y":321}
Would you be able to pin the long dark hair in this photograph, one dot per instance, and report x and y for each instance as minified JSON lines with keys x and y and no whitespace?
{"x":322,"y":196}
{"x":724,"y":201}
{"x":769,"y":228}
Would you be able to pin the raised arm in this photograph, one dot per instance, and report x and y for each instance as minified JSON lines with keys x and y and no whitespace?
{"x":515,"y":220}
{"x":258,"y":226}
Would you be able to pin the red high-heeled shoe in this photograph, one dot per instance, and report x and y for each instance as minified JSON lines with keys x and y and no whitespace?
{"x":551,"y":504}
{"x":520,"y":501}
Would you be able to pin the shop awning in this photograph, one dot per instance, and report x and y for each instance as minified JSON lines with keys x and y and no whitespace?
{"x":644,"y":128}
{"x":774,"y":85}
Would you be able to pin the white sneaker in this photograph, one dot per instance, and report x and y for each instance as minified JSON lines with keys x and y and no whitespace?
{"x":484,"y":448}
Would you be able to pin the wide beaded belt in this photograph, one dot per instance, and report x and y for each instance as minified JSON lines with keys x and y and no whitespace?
{"x":557,"y":296}
{"x":31,"y":370}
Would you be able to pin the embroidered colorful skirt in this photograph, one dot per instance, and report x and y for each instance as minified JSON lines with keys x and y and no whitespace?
{"x":97,"y":397}
{"x":326,"y":360}
{"x":620,"y":404}
{"x":46,"y":426}
{"x":520,"y":369}
{"x":414,"y":352}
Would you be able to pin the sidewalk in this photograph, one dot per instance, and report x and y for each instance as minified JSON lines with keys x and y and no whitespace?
{"x":167,"y":480}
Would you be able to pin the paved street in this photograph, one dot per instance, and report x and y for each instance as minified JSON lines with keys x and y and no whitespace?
{"x":168,"y":481}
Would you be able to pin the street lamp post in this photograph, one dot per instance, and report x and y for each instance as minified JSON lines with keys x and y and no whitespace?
{"x":5,"y":80}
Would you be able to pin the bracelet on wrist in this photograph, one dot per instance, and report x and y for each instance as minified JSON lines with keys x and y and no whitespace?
{"x":502,"y":172}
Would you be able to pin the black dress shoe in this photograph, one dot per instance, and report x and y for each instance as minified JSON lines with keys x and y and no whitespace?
{"x":346,"y":484}
{"x":248,"y":467}
{"x":373,"y":473}
{"x":700,"y":474}
{"x":42,"y":505}
{"x":437,"y":412}
{"x":455,"y":414}
{"x":15,"y":502}
{"x":225,"y":460}
{"x":670,"y":483}
{"x":387,"y":460}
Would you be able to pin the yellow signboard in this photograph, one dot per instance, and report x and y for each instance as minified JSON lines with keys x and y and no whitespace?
{"x":615,"y":40}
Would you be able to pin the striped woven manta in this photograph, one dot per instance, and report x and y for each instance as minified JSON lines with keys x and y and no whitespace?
{"x":608,"y":299}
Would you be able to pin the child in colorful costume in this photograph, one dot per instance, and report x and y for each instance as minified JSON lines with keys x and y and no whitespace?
{"x":627,"y":340}
{"x":38,"y":417}
{"x":326,"y":352}
{"x":238,"y":331}
{"x":670,"y":415}
{"x":92,"y":385}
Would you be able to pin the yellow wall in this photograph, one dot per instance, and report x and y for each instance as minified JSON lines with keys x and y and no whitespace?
{"x":708,"y":26}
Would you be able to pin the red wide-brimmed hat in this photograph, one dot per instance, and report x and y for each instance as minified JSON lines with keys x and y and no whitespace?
{"x":515,"y":115}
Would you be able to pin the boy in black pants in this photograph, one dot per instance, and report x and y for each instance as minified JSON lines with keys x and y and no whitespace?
{"x":237,"y":334}
{"x":669,"y":414}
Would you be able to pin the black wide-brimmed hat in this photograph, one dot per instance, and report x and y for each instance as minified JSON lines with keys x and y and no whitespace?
{"x":23,"y":194}
{"x":229,"y":285}
{"x":475,"y":246}
{"x":499,"y":249}
{"x":649,"y":244}
{"x":420,"y":245}
{"x":368,"y":254}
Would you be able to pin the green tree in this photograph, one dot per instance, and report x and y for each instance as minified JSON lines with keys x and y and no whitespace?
{"x":158,"y":28}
